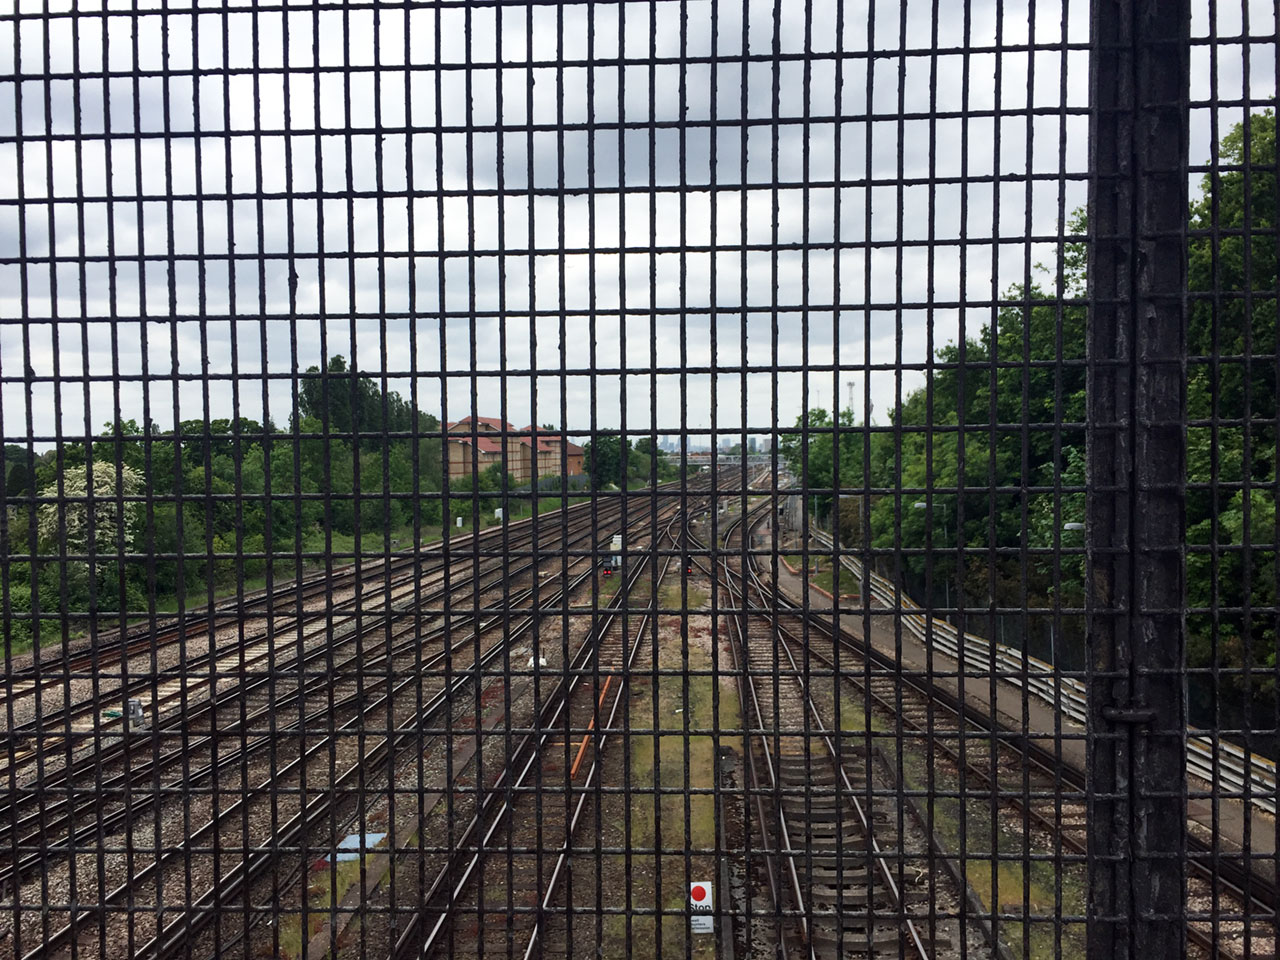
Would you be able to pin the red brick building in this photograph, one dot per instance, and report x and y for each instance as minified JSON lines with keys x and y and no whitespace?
{"x":556,"y":454}
{"x":530,"y":452}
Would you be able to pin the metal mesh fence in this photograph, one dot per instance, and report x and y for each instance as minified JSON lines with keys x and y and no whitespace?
{"x":669,"y":479}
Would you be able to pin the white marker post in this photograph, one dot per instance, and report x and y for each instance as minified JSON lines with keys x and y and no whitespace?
{"x":700,"y":919}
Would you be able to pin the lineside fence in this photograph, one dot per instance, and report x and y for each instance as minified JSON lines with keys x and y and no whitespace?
{"x":648,"y":479}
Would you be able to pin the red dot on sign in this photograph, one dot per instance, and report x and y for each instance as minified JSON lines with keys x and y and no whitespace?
{"x":699,"y":893}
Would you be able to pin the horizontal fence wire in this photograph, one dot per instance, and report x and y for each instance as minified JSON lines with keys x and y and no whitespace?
{"x":668,"y":479}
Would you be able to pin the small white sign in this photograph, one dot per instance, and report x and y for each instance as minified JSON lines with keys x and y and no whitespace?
{"x":700,"y":919}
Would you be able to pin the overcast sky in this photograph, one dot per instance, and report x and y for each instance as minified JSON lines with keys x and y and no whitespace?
{"x":205,"y":158}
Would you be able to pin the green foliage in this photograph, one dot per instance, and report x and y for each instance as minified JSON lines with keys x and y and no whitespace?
{"x":647,"y":462}
{"x":608,"y":461}
{"x":217,"y":493}
{"x":18,"y":470}
{"x":493,"y":479}
{"x":851,"y":521}
{"x":347,"y":403}
{"x":101,"y":512}
{"x":1233,"y":253}
{"x":475,"y":499}
{"x":953,"y":436}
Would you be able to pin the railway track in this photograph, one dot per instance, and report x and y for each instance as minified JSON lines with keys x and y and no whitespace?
{"x":248,"y":667}
{"x":832,"y":833}
{"x":361,"y":709}
{"x":1051,"y":798}
{"x":621,"y":652}
{"x":838,"y":851}
{"x":1023,"y":776}
{"x":365,"y":705}
{"x":40,"y":838}
{"x":260,"y":651}
{"x":52,"y":669}
{"x":508,"y":828}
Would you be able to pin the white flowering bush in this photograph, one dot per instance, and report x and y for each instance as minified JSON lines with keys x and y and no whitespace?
{"x":67,"y":520}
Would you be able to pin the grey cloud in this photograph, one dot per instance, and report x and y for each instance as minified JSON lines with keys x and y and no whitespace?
{"x":388,"y":255}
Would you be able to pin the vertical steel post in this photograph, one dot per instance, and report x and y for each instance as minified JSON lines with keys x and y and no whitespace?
{"x":1136,"y":483}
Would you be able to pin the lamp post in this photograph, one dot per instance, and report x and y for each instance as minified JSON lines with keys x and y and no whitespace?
{"x":946,"y":581}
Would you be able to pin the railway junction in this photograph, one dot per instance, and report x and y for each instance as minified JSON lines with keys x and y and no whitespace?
{"x":889,"y":562}
{"x":560,"y":754}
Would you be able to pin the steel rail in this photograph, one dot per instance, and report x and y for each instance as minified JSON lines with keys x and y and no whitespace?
{"x":786,"y":852}
{"x":488,"y":657}
{"x":563,"y":854}
{"x":144,"y":683}
{"x":194,"y":917}
{"x":1019,"y":803}
{"x":755,"y":788}
{"x":140,"y":639}
{"x":64,"y":715}
{"x":876,"y":854}
{"x":413,"y":942}
{"x":1224,"y":764}
{"x":602,"y":739}
{"x":1230,"y":875}
{"x":199,"y":914}
{"x":146,"y":771}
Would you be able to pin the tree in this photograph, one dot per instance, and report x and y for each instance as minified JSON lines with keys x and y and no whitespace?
{"x":607,"y":461}
{"x":1048,"y":527}
{"x":101,"y":511}
{"x":808,"y":455}
{"x":493,"y":480}
{"x":639,"y":464}
{"x":347,"y":403}
{"x":235,"y":486}
{"x":951,"y":436}
{"x":1233,"y":255}
{"x":19,"y":466}
{"x":954,"y":434}
{"x":647,"y":459}
{"x":462,"y":501}
{"x":68,"y":520}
